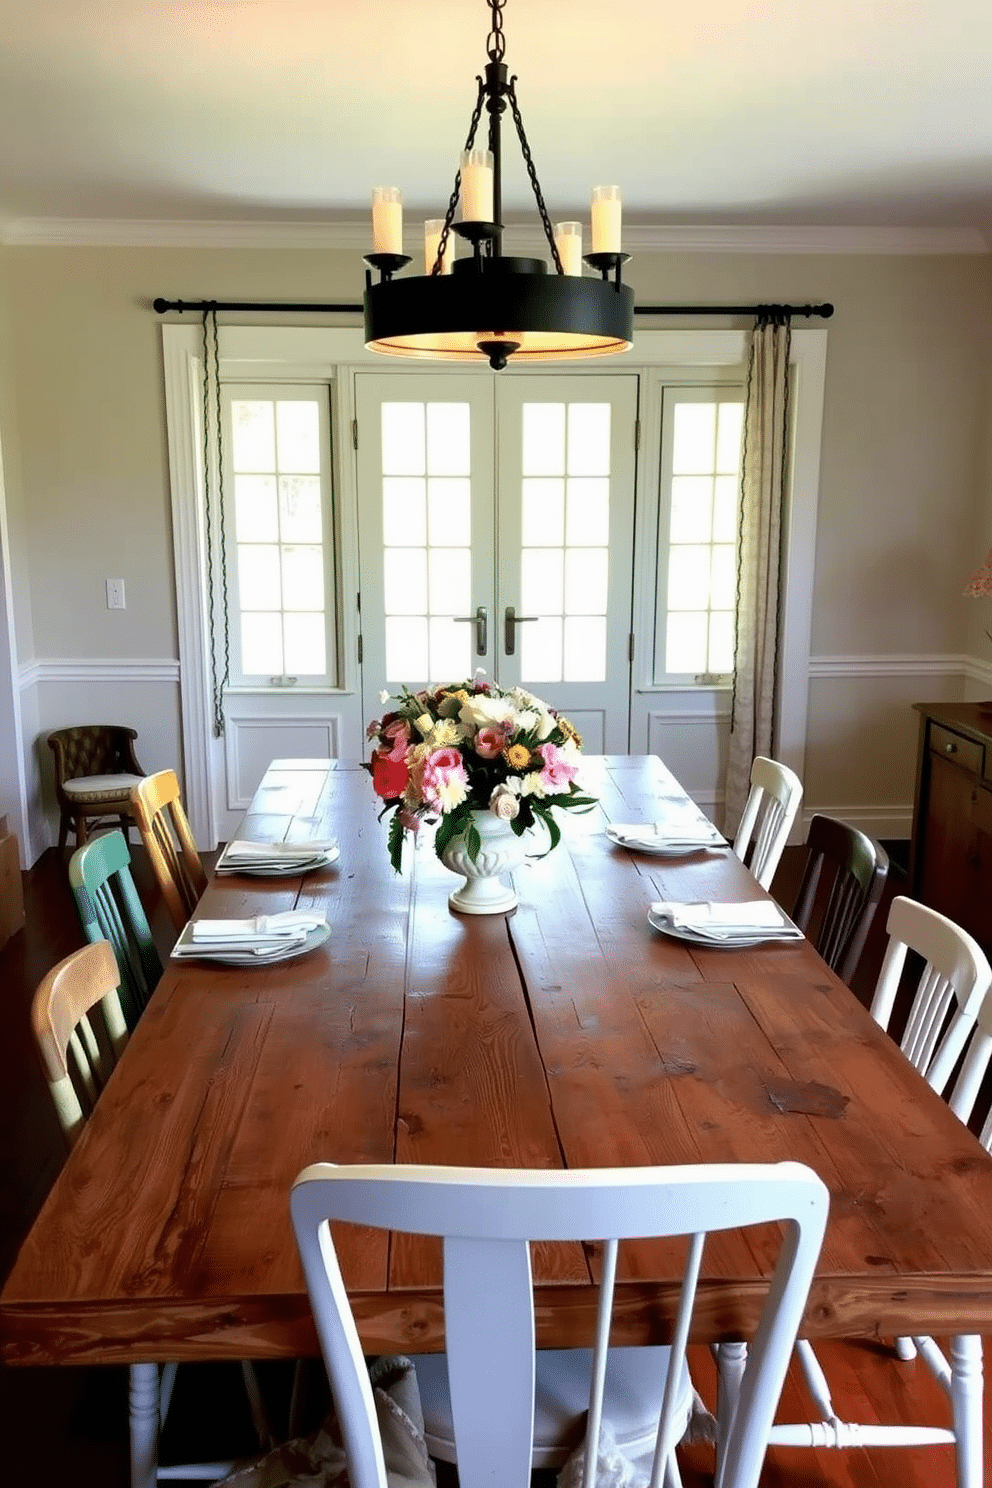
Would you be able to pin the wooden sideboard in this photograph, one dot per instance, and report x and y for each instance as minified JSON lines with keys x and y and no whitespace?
{"x":950,"y":866}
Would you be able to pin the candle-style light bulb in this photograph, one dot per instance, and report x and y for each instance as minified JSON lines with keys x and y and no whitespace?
{"x":387,"y":220}
{"x":477,"y":185}
{"x":606,"y":219}
{"x":568,"y":241}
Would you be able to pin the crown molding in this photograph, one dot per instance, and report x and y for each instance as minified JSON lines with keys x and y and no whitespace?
{"x":354,"y":236}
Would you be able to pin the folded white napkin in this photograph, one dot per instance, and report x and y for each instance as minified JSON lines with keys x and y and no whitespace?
{"x":292,"y":924}
{"x":251,"y":852}
{"x":727,"y":921}
{"x":682,"y":833}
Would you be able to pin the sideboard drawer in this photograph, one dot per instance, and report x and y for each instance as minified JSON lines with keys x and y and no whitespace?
{"x":966,"y":752}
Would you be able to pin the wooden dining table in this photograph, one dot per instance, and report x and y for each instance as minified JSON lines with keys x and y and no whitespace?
{"x":568,"y":1033}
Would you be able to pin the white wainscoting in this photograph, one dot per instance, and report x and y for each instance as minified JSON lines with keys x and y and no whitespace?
{"x":252,"y":743}
{"x":686,"y":729}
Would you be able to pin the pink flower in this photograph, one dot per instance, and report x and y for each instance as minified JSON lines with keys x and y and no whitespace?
{"x":489,"y":742}
{"x":408,"y":820}
{"x":557,"y":772}
{"x":397,"y":733}
{"x":445,"y":783}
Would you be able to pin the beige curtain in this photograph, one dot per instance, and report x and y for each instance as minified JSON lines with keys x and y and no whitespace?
{"x":763,"y":473}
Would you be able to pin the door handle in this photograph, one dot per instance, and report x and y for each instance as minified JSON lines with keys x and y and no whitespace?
{"x":481,"y":622}
{"x":511,"y":620}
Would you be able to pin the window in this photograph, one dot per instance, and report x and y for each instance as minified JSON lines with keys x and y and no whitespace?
{"x":279,"y":552}
{"x":697,"y":534}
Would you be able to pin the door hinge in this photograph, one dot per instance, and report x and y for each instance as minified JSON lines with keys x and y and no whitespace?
{"x":359,"y":650}
{"x":354,"y":432}
{"x":630,"y":646}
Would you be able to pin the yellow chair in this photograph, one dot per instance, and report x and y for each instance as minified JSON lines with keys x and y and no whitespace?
{"x":169,"y":843}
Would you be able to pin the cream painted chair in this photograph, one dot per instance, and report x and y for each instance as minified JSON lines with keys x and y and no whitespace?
{"x":172,"y":851}
{"x":80,"y":1032}
{"x":487,"y":1218}
{"x":769,"y":812}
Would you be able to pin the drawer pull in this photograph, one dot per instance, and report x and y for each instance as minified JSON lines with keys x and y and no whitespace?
{"x":950,"y":748}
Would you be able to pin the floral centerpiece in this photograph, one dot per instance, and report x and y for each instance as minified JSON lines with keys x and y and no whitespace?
{"x":446,"y":752}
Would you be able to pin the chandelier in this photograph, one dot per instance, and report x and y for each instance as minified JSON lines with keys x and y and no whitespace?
{"x":484,"y":304}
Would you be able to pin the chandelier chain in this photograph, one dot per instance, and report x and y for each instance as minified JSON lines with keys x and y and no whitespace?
{"x":496,"y":41}
{"x":511,"y":94}
{"x":449,"y":215}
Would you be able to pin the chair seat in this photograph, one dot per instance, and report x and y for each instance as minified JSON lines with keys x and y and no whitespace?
{"x":635,"y":1380}
{"x":93,"y":789}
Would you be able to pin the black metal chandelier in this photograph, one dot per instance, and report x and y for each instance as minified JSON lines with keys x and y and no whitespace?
{"x":488,"y":305}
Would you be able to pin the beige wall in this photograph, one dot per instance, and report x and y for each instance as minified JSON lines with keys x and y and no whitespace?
{"x":904,"y":492}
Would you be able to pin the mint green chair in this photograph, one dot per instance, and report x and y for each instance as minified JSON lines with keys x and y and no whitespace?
{"x":110,"y":909}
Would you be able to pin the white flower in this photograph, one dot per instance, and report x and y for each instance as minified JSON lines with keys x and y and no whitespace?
{"x":545,"y":727}
{"x":532,"y":784}
{"x":526,"y":721}
{"x":504,"y":803}
{"x":384,"y":695}
{"x":483,"y":711}
{"x":424,"y":723}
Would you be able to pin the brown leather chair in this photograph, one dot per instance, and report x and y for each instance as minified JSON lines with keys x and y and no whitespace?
{"x":95,"y":772}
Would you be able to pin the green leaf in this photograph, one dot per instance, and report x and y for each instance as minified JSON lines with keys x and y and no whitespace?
{"x":472,"y":840}
{"x":397,"y":832}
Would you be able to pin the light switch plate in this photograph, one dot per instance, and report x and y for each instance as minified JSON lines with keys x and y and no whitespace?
{"x":115,"y":594}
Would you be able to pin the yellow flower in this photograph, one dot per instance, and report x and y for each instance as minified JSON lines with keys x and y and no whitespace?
{"x":517,"y":756}
{"x":570,"y":731}
{"x":449,"y":703}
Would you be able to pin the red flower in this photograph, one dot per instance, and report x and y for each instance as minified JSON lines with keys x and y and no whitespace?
{"x":389,"y":776}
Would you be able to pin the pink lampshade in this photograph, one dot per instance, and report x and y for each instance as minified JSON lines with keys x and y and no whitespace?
{"x":980,"y":582}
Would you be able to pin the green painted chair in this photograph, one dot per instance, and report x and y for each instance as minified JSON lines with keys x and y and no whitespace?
{"x":110,"y":909}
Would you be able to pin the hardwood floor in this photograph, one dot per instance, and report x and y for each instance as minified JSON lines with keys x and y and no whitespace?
{"x":62,"y":1426}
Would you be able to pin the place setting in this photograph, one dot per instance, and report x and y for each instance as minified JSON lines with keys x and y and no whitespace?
{"x":682,"y":830}
{"x":262,"y":939}
{"x":756,"y":922}
{"x":276,"y":859}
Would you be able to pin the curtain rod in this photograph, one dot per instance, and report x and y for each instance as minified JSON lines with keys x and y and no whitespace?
{"x":160,"y":306}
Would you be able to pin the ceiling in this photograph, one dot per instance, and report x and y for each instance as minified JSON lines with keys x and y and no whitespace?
{"x":868,"y":115}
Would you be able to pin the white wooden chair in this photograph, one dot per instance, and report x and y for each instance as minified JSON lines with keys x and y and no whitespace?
{"x":769,"y":812}
{"x":80,"y":1031}
{"x":487,"y":1218}
{"x":951,"y":1005}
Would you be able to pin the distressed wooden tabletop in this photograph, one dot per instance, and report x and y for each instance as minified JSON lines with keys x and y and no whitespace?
{"x":568,"y":1033}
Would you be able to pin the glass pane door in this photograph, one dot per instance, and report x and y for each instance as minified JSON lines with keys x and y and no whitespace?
{"x":425,"y":482}
{"x":566,"y":510}
{"x":496,"y":521}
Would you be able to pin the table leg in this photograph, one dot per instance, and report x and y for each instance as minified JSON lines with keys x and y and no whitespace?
{"x":143,"y":1411}
{"x":966,"y":1402}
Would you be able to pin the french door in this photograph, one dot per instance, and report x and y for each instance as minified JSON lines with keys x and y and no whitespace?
{"x":496,"y":525}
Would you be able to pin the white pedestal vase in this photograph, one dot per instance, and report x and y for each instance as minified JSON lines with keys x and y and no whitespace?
{"x":487,"y":889}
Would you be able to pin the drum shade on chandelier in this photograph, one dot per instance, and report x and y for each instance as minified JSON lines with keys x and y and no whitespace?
{"x":486,"y":305}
